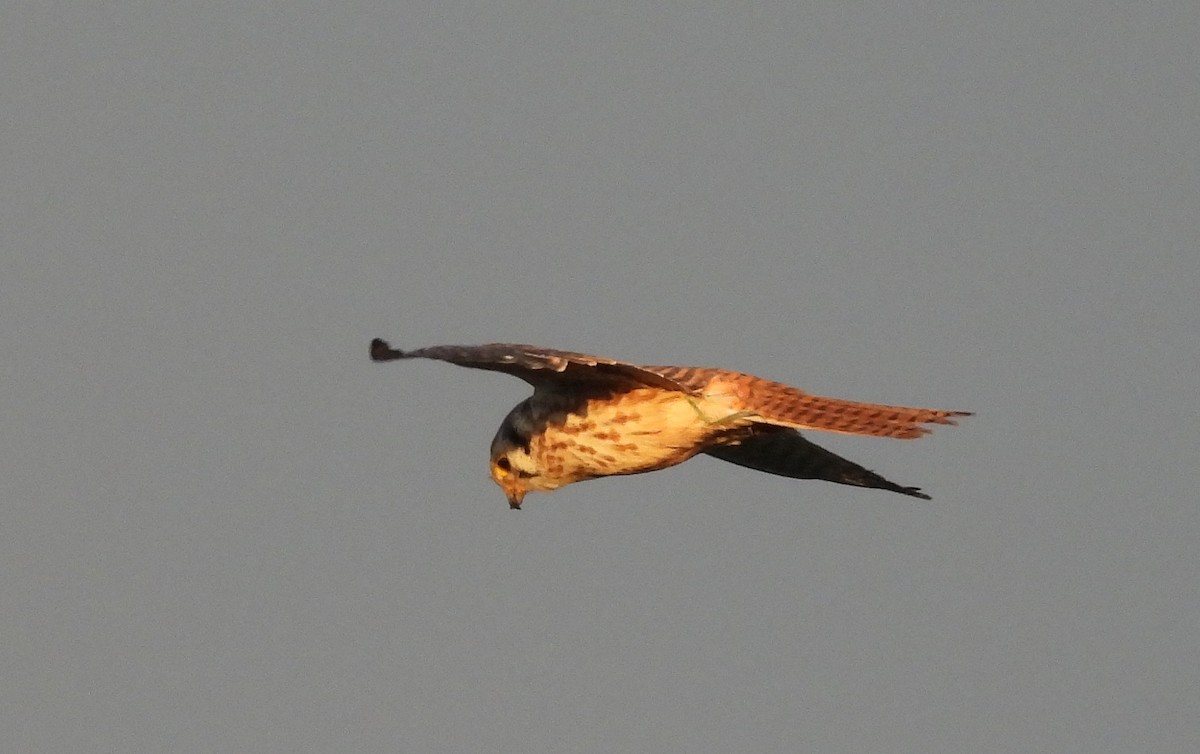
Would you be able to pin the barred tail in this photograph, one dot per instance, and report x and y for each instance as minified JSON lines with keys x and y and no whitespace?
{"x":786,"y":406}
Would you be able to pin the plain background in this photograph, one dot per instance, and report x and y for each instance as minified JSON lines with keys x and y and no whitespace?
{"x":224,"y":529}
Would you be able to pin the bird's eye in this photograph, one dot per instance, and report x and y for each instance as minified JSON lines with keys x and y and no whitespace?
{"x":503,"y":464}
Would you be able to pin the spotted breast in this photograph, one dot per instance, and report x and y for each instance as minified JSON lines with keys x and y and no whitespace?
{"x":636,"y":431}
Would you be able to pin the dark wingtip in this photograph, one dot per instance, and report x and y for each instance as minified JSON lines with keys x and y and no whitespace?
{"x":381,"y":351}
{"x":915,"y":492}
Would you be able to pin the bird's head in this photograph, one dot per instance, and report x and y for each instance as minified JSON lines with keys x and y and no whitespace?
{"x":512,"y":467}
{"x":511,"y":471}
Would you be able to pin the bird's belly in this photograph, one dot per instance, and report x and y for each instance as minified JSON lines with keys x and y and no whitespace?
{"x":641,"y":430}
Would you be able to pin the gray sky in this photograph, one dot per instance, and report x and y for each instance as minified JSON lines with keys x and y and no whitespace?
{"x":225,"y":530}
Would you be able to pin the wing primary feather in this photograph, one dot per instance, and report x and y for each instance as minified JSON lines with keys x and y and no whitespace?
{"x":382,"y":351}
{"x":786,"y":452}
{"x":538,"y":366}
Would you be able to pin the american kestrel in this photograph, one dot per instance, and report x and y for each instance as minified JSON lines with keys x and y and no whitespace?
{"x":591,"y":417}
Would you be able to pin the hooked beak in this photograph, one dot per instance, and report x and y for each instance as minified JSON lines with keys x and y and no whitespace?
{"x":515,"y":496}
{"x":511,"y":483}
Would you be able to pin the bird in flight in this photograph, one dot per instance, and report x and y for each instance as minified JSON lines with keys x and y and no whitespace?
{"x":592,"y":417}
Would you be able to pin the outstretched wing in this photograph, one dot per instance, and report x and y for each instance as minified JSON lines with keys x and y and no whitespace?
{"x":782,"y":451}
{"x":786,"y":406}
{"x":537,"y":366}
